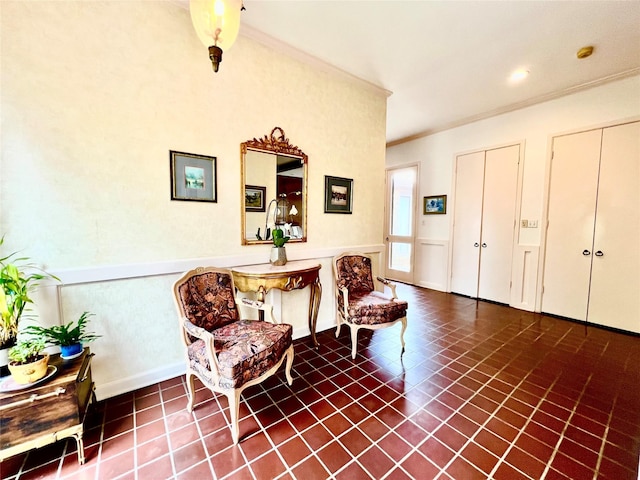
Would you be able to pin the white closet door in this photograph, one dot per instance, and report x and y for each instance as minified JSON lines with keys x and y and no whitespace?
{"x":498,"y":223}
{"x":615,"y":278}
{"x":572,"y":206}
{"x":467,"y":222}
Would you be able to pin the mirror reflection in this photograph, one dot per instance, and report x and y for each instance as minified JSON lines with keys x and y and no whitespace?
{"x":274,"y":175}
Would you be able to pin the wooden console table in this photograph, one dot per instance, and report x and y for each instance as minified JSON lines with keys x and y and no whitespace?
{"x":292,"y":276}
{"x":49,"y":411}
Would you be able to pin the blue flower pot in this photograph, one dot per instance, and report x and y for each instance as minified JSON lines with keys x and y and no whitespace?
{"x":70,"y":350}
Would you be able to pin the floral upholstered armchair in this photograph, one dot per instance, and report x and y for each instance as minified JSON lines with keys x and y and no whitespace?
{"x":227,"y":353}
{"x":358,"y":304}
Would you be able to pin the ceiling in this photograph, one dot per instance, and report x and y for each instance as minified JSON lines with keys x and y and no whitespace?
{"x":447,"y":63}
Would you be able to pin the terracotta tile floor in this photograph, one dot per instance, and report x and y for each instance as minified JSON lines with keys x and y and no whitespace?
{"x":482,"y":391}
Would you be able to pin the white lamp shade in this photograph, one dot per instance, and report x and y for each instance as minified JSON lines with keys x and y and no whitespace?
{"x":216,"y":22}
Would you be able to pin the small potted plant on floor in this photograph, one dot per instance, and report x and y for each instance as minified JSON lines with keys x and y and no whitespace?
{"x":278,"y":252}
{"x":27,"y":362}
{"x":69,"y":337}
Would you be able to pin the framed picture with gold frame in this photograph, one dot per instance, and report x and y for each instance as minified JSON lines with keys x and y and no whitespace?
{"x":434,"y":205}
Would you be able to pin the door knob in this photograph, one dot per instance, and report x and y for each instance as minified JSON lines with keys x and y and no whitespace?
{"x":586,"y":252}
{"x":484,"y":245}
{"x":476,"y":244}
{"x":599,"y":253}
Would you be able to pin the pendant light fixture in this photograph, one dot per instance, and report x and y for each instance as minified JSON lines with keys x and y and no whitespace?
{"x":217,"y":23}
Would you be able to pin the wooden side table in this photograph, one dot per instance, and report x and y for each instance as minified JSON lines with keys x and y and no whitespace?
{"x":49,"y":411}
{"x":292,"y":276}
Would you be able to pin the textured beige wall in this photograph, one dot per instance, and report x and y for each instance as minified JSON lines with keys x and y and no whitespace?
{"x":93,"y":97}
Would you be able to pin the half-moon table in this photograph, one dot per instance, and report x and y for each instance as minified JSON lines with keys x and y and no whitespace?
{"x":294,"y":275}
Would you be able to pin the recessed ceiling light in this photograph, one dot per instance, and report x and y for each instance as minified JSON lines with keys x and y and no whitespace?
{"x":519,"y":75}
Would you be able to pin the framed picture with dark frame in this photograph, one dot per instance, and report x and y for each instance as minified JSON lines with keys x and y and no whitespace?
{"x":254,"y":198}
{"x":193,"y":177}
{"x":338,"y":194}
{"x":434,"y":205}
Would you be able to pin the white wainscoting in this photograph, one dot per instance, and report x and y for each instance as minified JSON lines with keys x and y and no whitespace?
{"x":432,"y":261}
{"x":111,"y":380}
{"x":524,"y":277}
{"x":431,"y":265}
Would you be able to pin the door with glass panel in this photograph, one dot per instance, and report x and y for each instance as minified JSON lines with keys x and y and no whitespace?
{"x":400,"y":222}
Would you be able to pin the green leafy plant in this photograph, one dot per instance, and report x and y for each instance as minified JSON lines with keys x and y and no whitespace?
{"x":26,"y":351}
{"x":67,"y":334}
{"x":18,"y":279}
{"x":278,"y":238}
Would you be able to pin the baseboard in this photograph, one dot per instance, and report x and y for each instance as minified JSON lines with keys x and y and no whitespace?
{"x":302,"y":332}
{"x":134,"y":382}
{"x":432,"y":286}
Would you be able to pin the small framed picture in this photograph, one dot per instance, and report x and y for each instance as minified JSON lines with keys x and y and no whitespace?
{"x":338,"y":193}
{"x":435,"y":205}
{"x":254,"y":198}
{"x":193,"y":177}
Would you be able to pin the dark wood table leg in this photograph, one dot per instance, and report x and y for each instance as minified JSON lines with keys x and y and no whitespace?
{"x":314,"y":306}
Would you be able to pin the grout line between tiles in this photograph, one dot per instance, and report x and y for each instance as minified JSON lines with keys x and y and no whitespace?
{"x":561,"y":437}
{"x":168,"y":437}
{"x":602,"y":446}
{"x":135,"y":432}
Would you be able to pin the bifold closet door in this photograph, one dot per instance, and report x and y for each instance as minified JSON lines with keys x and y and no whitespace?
{"x":467,"y":222}
{"x":572,"y":206}
{"x":615,"y":279}
{"x":485,"y":200}
{"x":498,"y":223}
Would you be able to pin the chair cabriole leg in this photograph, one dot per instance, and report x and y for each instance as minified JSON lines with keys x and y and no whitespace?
{"x":191,"y":391}
{"x":234,"y":411}
{"x":354,"y":341}
{"x":404,"y":327}
{"x":287,"y":371}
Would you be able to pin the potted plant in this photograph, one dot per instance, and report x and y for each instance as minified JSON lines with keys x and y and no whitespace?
{"x":18,"y":279}
{"x":69,"y":337}
{"x":278,"y":252}
{"x":27,"y":363}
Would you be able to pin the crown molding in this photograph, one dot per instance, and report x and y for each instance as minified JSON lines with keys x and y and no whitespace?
{"x":303,"y":57}
{"x":520,"y":105}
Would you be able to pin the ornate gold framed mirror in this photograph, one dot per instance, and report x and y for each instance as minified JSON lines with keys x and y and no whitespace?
{"x":273,"y":189}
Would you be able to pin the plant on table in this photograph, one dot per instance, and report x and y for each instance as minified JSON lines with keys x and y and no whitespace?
{"x":26,"y":351}
{"x":278,"y":238}
{"x":27,"y":363}
{"x":67,"y":335}
{"x":18,"y":279}
{"x":278,"y":252}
